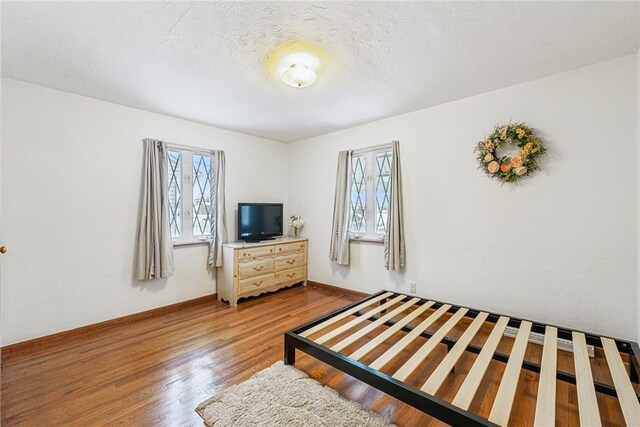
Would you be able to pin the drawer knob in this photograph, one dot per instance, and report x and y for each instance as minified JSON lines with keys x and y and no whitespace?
{"x":258,"y":283}
{"x":291,"y":274}
{"x":270,"y":250}
{"x":258,"y":268}
{"x":291,"y":261}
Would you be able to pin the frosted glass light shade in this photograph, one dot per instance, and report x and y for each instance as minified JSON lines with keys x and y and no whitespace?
{"x":298,"y":75}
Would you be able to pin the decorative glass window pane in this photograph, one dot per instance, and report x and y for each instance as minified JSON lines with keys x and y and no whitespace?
{"x":382,"y":190}
{"x":175,"y":193}
{"x":358,"y":195}
{"x":202,"y":196}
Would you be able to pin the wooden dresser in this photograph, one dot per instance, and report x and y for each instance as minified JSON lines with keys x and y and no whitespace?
{"x":251,"y":269}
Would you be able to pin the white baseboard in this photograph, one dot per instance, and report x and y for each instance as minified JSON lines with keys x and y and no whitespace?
{"x":537,"y":338}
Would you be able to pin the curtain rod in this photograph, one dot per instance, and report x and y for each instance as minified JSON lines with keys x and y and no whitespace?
{"x":373,"y":147}
{"x":190,"y":147}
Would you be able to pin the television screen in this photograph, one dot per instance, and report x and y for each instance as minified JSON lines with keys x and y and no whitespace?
{"x":259,"y":221}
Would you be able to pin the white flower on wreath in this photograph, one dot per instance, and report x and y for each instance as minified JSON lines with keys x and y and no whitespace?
{"x":296,"y":221}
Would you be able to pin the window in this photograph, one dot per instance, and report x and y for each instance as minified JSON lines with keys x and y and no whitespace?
{"x":370,"y":192}
{"x":190,"y":195}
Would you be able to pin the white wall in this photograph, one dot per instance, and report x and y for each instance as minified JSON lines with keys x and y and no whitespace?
{"x":560,"y":248}
{"x":71,"y":178}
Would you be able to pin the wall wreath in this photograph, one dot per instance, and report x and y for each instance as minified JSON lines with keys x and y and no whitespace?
{"x":510,"y":169}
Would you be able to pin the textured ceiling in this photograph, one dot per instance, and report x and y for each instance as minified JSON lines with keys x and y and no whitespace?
{"x":206,"y":61}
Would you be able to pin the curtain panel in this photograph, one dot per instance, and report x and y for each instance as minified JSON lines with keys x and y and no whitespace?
{"x":394,"y":245}
{"x":339,"y":251}
{"x":154,"y":248}
{"x":218,"y":216}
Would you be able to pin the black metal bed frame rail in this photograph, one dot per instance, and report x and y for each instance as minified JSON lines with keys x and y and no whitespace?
{"x":432,"y":405}
{"x":440,"y":409}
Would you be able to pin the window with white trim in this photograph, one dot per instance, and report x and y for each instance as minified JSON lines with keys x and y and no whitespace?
{"x":370,"y":192}
{"x":191,"y":194}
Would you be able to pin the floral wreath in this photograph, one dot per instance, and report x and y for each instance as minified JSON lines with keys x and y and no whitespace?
{"x":505,"y":168}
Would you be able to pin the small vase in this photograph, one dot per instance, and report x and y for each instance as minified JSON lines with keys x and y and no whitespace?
{"x":296,"y":232}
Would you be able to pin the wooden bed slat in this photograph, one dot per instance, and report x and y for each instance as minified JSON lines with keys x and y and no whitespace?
{"x":626,"y":394}
{"x":436,"y":379}
{"x":587,"y":403}
{"x":365,"y":349}
{"x":546,"y":401}
{"x":342,"y":315}
{"x":506,"y":392}
{"x":407,"y":339}
{"x":362,"y":332}
{"x":334,"y":333}
{"x":424,"y":351}
{"x":467,"y":391}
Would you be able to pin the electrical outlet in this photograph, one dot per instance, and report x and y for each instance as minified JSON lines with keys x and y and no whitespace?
{"x":412,"y":287}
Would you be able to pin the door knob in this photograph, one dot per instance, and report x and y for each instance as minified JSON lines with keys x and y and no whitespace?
{"x":3,"y":249}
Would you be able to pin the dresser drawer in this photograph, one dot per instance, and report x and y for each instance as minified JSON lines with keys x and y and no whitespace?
{"x":290,"y":247}
{"x":254,"y":284}
{"x":290,"y":276}
{"x":255,"y":267}
{"x":294,"y":260}
{"x":259,"y":251}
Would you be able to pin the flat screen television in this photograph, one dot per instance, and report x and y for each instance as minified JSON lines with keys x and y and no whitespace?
{"x":259,"y":221}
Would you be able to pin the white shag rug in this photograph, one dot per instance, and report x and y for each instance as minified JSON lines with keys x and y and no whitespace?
{"x":284,"y":396}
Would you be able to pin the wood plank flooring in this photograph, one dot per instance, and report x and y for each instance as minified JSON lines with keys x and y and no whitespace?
{"x":155,"y":371}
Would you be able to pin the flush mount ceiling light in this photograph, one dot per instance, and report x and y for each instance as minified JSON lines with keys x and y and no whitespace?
{"x":298,"y":75}
{"x":297,"y":64}
{"x":298,"y":68}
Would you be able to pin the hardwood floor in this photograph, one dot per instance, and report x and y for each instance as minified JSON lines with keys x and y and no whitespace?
{"x":155,"y":371}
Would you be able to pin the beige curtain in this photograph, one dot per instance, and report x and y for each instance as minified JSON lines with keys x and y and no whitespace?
{"x":339,"y":251}
{"x":394,"y":249}
{"x":154,"y":252}
{"x":219,"y":218}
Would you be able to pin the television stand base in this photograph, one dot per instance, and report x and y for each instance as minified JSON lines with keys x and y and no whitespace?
{"x":259,"y":240}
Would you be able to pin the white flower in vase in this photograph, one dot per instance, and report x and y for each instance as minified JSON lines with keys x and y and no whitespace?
{"x":296,"y":222}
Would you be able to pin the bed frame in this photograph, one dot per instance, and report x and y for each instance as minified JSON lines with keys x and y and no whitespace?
{"x":380,"y":310}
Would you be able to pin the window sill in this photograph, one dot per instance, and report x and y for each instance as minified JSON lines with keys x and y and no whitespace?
{"x":369,"y":239}
{"x":192,"y":242}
